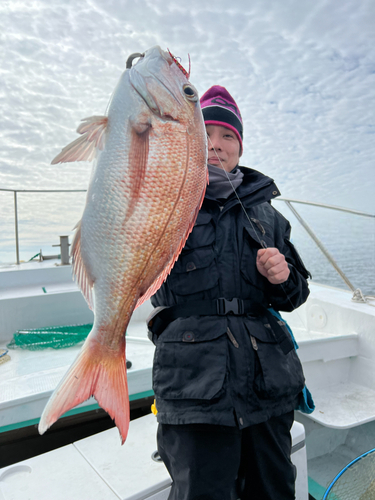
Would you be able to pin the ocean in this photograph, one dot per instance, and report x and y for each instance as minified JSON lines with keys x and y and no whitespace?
{"x":350,"y":239}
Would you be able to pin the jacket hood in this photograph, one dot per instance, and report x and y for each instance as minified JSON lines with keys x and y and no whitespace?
{"x":254,"y":181}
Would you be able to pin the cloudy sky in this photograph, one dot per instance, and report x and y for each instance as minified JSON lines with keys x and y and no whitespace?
{"x":302,"y":73}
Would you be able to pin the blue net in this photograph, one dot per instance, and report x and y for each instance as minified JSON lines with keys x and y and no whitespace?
{"x":356,"y":481}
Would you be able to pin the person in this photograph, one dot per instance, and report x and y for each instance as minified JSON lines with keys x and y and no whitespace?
{"x":226,"y":376}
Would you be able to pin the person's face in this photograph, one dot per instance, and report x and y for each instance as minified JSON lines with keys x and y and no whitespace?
{"x":223,"y":147}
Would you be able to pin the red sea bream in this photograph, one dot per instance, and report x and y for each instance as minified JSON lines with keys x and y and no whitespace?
{"x":147,"y":185}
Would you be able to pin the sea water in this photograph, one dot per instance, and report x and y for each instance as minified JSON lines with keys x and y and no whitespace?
{"x":349,"y":239}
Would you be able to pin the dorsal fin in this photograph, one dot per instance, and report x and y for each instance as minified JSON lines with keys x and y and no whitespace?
{"x":84,"y":148}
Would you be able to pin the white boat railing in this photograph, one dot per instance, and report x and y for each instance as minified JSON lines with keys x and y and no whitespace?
{"x":288,"y":201}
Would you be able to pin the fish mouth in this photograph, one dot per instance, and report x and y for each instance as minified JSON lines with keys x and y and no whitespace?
{"x":147,"y":69}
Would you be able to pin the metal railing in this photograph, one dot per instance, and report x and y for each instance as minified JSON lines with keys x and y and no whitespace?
{"x":287,"y":201}
{"x":15,"y":191}
{"x":357,"y":293}
{"x":310,"y":232}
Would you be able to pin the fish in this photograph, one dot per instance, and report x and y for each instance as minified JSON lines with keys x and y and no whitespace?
{"x":146,"y":188}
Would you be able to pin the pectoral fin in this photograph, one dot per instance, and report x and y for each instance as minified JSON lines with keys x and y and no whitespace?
{"x":84,"y":148}
{"x":138,"y":156}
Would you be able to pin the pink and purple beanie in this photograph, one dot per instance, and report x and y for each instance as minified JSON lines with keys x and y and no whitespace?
{"x":219,"y":108}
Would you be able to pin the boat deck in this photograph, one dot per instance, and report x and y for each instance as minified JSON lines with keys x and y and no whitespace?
{"x":29,"y":378}
{"x":336,"y":348}
{"x":99,"y":467}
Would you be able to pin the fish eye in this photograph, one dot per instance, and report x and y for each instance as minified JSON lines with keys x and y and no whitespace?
{"x":190,"y":93}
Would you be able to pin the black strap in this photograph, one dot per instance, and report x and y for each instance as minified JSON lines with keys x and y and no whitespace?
{"x":162,"y":316}
{"x":220,"y":307}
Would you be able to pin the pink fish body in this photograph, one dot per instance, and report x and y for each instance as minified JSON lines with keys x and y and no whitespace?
{"x":147,"y":186}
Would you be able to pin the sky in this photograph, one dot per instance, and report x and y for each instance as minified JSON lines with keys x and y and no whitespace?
{"x":302,"y":73}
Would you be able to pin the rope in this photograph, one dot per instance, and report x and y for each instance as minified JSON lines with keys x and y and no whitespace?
{"x":365,"y":299}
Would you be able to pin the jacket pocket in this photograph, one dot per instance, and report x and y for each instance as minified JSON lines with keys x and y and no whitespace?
{"x":191,"y":359}
{"x":203,"y":233}
{"x":258,"y":234}
{"x":195,"y":271}
{"x":276,"y":375}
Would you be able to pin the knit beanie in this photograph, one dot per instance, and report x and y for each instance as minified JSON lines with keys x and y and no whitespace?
{"x":219,"y":108}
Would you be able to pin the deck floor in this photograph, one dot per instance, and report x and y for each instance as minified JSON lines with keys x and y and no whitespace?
{"x":28,"y":379}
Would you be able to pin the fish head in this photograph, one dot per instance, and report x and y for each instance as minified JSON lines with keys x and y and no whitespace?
{"x":165,"y":88}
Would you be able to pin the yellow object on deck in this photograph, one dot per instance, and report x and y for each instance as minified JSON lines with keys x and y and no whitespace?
{"x":153,"y":407}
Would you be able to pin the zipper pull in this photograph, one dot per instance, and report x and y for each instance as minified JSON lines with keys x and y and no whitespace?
{"x":259,"y":226}
{"x":232,"y":339}
{"x":254,"y":343}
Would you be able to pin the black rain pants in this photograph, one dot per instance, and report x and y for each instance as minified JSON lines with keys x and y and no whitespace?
{"x":215,"y":462}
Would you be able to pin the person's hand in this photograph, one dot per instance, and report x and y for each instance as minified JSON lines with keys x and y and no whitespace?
{"x":272,"y":265}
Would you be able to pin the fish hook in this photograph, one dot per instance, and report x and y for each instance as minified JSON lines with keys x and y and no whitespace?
{"x":131,"y":59}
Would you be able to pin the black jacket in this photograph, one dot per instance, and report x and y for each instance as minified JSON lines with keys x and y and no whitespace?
{"x":229,"y":369}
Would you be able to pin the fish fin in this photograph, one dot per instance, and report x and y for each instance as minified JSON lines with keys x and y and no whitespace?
{"x":138,"y":156}
{"x":84,"y":148}
{"x":100,"y":372}
{"x":81,"y":272}
{"x":163,"y":276}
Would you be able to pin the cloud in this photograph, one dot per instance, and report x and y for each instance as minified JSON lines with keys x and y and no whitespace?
{"x":303,"y":74}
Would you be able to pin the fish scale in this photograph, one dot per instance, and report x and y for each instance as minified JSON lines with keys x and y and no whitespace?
{"x":147,"y":185}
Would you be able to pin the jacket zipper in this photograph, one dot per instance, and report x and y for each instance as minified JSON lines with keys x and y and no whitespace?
{"x":232,"y":339}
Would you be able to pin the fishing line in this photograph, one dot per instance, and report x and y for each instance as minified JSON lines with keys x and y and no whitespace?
{"x":261,"y":242}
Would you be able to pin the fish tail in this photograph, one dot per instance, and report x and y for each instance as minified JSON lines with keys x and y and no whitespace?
{"x":100,"y":372}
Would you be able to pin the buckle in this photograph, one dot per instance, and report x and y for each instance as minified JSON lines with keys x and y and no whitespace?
{"x":225,"y":306}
